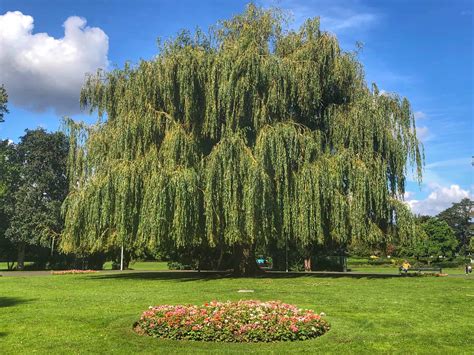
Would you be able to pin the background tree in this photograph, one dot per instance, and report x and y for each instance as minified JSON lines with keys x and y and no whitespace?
{"x":441,"y":240}
{"x":3,"y":103}
{"x":250,"y":137}
{"x":458,"y":217}
{"x":420,"y":246}
{"x":8,"y":184}
{"x":41,"y":186}
{"x":7,"y":181}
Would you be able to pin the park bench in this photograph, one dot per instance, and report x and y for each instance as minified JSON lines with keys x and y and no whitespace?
{"x":420,"y":269}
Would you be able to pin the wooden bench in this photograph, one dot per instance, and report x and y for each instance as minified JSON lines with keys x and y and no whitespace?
{"x":420,"y":269}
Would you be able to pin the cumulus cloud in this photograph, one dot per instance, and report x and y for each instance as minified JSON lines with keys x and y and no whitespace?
{"x":440,"y":198}
{"x":41,"y":72}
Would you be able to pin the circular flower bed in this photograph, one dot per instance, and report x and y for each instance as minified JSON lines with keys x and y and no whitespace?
{"x":243,"y":321}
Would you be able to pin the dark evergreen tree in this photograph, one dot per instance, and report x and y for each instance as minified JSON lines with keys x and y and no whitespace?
{"x":8,"y":184}
{"x":459,"y":218}
{"x":34,"y":208}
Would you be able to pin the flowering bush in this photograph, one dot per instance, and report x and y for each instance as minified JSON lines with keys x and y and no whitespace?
{"x":67,"y":272}
{"x":243,"y":321}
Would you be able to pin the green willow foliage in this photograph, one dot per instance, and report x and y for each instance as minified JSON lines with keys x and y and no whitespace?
{"x":246,"y":136}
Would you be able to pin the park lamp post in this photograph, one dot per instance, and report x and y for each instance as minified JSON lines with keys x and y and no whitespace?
{"x":121,"y":258}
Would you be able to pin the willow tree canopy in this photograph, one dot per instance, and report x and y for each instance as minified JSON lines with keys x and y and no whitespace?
{"x":251,"y":134}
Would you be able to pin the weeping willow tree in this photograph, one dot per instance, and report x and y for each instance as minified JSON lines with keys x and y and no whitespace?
{"x":252,"y":135}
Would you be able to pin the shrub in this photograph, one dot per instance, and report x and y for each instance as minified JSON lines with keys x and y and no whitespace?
{"x":243,"y":321}
{"x":454,"y":262}
{"x":329,"y":263}
{"x":175,"y":265}
{"x":379,"y":261}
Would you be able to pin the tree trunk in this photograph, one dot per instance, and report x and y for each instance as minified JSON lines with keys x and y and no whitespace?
{"x":21,"y":256}
{"x":10,"y":265}
{"x":307,"y":264}
{"x":221,"y":256}
{"x":244,"y":260}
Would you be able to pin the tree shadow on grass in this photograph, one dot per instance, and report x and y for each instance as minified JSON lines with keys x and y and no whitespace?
{"x":186,"y":276}
{"x":329,"y":274}
{"x":12,"y":301}
{"x":163,"y":275}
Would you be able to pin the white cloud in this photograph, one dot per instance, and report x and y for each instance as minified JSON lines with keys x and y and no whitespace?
{"x":423,"y":133}
{"x":336,"y":15}
{"x":458,"y":163}
{"x":419,"y":115}
{"x":347,"y":21}
{"x":42,"y":72}
{"x":440,"y":198}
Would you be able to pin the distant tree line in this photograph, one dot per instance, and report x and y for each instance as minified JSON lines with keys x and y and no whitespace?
{"x":445,"y":235}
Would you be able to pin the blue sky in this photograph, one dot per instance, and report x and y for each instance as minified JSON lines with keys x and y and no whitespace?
{"x":420,"y":49}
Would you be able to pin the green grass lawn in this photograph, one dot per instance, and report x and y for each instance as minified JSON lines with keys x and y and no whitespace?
{"x":4,"y":266}
{"x":95,"y":313}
